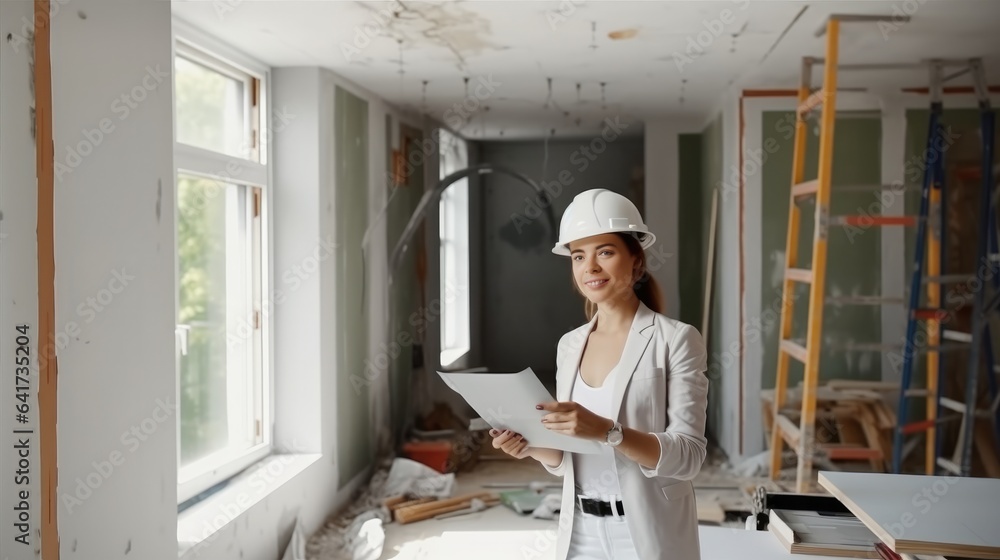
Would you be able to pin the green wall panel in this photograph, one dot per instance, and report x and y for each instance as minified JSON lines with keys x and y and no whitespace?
{"x":711,"y":177}
{"x":354,"y":445}
{"x":689,"y":218}
{"x":853,"y":254}
{"x":406,"y":321}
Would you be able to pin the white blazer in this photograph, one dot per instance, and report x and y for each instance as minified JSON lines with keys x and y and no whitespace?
{"x":661,"y":357}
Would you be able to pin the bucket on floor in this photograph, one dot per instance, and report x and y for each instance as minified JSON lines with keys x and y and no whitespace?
{"x":434,"y":454}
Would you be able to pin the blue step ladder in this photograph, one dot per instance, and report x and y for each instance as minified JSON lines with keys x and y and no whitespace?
{"x":978,"y":342}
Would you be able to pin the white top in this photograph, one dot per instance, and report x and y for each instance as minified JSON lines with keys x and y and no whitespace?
{"x":596,"y":476}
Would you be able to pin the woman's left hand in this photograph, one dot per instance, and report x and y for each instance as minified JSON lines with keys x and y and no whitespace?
{"x":575,"y":420}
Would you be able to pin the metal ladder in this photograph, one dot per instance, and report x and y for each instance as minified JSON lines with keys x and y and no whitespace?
{"x":979,"y":340}
{"x":801,"y":437}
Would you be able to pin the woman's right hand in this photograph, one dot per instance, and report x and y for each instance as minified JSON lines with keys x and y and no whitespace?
{"x":510,"y":443}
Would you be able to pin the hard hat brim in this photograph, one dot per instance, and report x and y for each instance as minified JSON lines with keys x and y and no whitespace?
{"x":646,"y":240}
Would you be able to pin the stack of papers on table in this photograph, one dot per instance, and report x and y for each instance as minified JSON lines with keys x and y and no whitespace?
{"x":822,"y":533}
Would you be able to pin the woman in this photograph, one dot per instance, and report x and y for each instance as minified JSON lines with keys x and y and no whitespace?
{"x":614,"y":374}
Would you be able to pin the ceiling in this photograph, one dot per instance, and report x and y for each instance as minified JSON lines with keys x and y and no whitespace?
{"x":625,"y":60}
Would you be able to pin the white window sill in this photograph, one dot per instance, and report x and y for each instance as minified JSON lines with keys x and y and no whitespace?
{"x":451,"y":355}
{"x":198,"y":524}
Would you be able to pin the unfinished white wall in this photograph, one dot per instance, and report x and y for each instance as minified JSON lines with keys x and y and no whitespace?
{"x":295,"y":196}
{"x":662,"y":176}
{"x":18,"y":284}
{"x":728,"y":269}
{"x":114,"y":245}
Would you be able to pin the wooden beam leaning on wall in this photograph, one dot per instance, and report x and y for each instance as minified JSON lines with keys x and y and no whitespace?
{"x":47,"y":366}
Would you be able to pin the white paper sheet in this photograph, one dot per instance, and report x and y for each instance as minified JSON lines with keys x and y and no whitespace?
{"x":507,"y":402}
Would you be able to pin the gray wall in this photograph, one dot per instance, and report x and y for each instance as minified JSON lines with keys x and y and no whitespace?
{"x":527,"y":296}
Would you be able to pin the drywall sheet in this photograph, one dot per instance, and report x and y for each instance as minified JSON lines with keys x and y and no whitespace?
{"x":351,"y":169}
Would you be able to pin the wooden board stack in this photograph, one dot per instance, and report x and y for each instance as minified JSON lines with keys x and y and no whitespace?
{"x":409,"y":511}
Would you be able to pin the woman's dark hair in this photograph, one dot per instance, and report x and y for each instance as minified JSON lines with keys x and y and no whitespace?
{"x":646,"y":287}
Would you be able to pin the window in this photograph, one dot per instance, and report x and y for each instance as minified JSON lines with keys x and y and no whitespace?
{"x":221,"y":174}
{"x":454,"y":231}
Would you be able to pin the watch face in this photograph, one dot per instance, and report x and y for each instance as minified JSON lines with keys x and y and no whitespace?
{"x":615,"y":437}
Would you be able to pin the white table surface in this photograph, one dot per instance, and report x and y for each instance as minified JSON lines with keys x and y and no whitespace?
{"x":718,"y":543}
{"x":908,"y":512}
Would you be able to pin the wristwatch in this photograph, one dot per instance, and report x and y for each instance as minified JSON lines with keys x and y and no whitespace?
{"x":615,"y":435}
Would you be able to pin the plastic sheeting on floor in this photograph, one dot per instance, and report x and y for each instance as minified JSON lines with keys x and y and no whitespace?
{"x":357,"y":533}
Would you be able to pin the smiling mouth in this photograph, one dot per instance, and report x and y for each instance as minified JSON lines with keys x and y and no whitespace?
{"x":596,"y":283}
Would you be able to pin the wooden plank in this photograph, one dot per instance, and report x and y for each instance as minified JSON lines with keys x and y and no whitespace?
{"x":706,"y":310}
{"x":850,"y":430}
{"x":805,"y":189}
{"x":48,"y":372}
{"x":799,"y":275}
{"x":794,"y":350}
{"x":920,"y":514}
{"x":860,"y":384}
{"x":420,"y":512}
{"x":811,"y":103}
{"x":789,"y":431}
{"x":872,"y":436}
{"x":838,"y":452}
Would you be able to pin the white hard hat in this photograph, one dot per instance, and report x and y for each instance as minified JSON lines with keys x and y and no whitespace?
{"x":599,"y":211}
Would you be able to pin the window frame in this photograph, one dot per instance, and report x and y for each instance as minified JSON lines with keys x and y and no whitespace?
{"x":451,"y":208}
{"x":254,"y":175}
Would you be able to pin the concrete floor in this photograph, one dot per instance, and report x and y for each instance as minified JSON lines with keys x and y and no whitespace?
{"x":510,"y":535}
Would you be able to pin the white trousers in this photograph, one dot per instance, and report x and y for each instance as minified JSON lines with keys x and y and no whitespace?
{"x":600,"y":538}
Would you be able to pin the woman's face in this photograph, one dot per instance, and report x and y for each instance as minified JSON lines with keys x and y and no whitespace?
{"x":603,"y":268}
